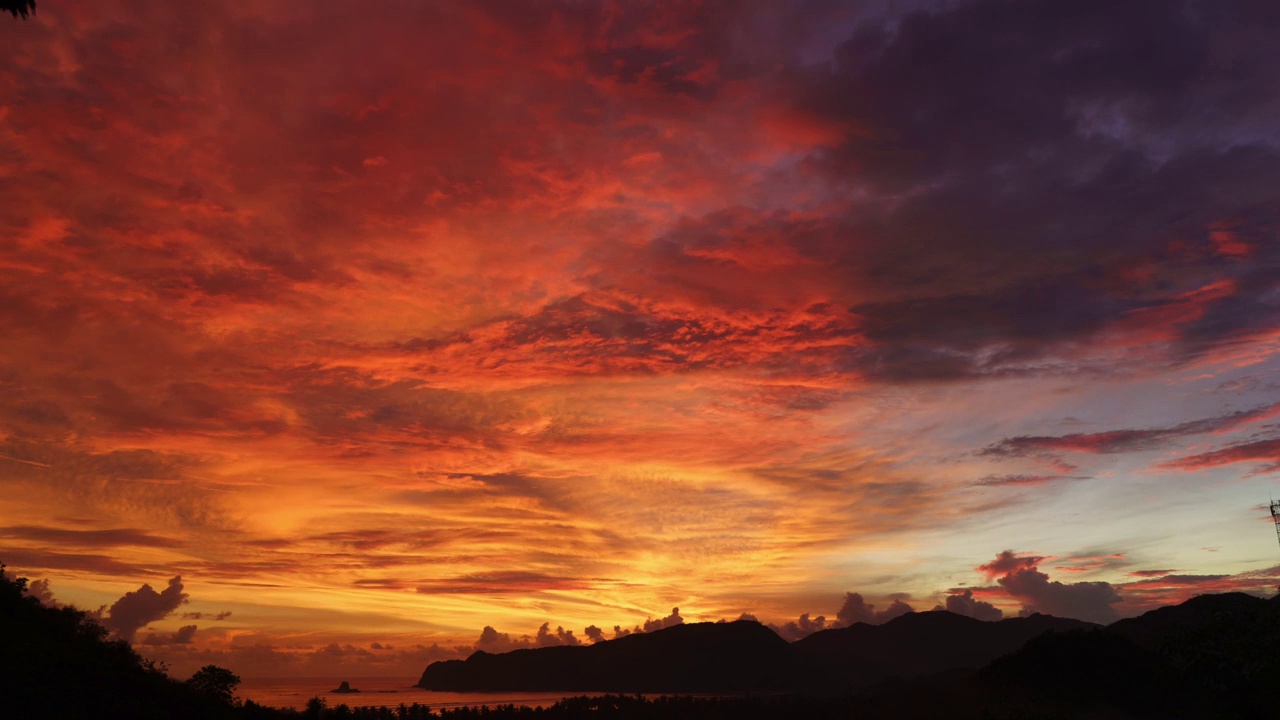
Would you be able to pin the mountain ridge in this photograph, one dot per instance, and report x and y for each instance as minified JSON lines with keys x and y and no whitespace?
{"x":745,"y":656}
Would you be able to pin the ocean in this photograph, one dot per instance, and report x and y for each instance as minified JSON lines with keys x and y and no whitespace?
{"x":379,"y":691}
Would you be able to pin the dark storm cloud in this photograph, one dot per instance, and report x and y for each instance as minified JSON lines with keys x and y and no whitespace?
{"x":1045,"y":171}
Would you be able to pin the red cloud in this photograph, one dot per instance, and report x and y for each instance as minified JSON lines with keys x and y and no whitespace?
{"x":1009,"y":562}
{"x":1266,"y":451}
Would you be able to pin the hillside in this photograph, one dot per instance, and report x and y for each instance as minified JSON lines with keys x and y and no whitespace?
{"x":700,"y":657}
{"x":58,"y":663}
{"x":745,"y":656}
{"x":918,"y":644}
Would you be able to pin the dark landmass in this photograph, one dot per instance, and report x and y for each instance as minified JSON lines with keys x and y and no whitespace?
{"x":1210,"y":657}
{"x":745,"y":656}
{"x":915,"y":645}
{"x":734,"y":657}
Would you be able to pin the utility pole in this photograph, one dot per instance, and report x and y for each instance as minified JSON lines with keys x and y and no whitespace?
{"x":1275,"y":516}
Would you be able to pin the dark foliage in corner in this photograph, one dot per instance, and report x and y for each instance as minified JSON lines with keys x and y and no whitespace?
{"x":18,"y":7}
{"x":59,"y":663}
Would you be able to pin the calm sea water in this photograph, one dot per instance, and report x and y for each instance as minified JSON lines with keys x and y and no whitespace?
{"x":379,"y":691}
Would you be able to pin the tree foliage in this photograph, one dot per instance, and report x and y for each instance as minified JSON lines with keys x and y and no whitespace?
{"x":59,"y":663}
{"x":18,"y":7}
{"x":216,"y":682}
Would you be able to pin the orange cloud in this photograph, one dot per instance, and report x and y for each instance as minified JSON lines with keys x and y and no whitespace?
{"x":492,"y":315}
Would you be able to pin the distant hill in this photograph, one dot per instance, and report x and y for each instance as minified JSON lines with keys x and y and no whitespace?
{"x":918,"y":644}
{"x":1213,"y":656}
{"x":746,"y":656}
{"x":739,"y":656}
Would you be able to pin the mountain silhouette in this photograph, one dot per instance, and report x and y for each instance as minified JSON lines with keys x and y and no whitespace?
{"x":1213,"y":656}
{"x":739,"y":656}
{"x":746,"y":656}
{"x":918,"y":644}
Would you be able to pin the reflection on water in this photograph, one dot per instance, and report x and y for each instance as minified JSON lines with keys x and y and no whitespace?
{"x":379,"y":691}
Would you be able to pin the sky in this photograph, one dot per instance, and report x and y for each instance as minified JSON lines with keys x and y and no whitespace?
{"x":344,"y":337}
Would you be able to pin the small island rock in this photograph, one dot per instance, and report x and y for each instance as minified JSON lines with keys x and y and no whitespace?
{"x":345,"y":687}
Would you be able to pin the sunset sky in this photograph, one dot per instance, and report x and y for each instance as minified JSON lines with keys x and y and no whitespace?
{"x":378,"y":324}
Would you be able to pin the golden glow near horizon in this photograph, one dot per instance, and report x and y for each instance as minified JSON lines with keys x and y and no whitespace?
{"x":378,"y":326}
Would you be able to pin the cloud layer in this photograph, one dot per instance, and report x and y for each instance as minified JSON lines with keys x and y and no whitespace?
{"x":461,"y":316}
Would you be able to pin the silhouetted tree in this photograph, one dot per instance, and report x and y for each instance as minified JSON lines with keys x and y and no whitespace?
{"x":18,"y":7}
{"x":216,"y":682}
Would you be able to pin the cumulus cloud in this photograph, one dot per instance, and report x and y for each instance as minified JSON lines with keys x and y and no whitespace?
{"x":964,"y":603}
{"x":857,"y":610}
{"x":897,"y":608}
{"x":800,"y":627}
{"x":1008,"y":562}
{"x":1021,"y":578}
{"x":546,"y":638}
{"x":40,"y":590}
{"x":493,"y":641}
{"x":594,"y":634}
{"x":139,"y":607}
{"x":669,"y":621}
{"x":183,"y":636}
